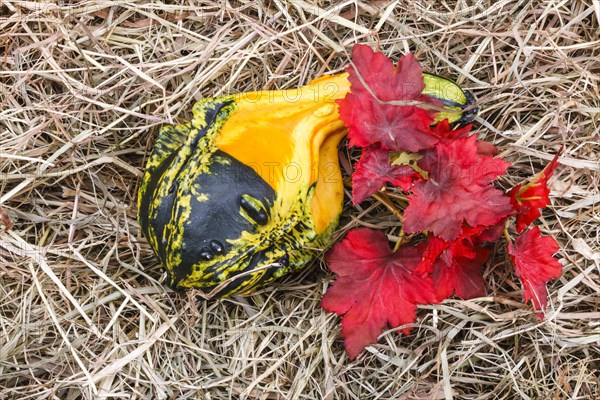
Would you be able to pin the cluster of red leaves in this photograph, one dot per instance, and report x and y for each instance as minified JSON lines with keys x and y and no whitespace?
{"x":452,"y":204}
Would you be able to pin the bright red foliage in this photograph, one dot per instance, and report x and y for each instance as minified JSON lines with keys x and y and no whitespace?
{"x":530,"y":198}
{"x":534,"y":265}
{"x":374,"y":169}
{"x":445,"y":132}
{"x":464,"y":246}
{"x":458,"y":189}
{"x":455,"y":266}
{"x":372,"y":119}
{"x":460,"y":275}
{"x":374,"y":287}
{"x":453,"y":201}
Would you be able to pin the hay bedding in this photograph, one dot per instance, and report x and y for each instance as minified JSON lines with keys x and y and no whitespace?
{"x":84,"y":87}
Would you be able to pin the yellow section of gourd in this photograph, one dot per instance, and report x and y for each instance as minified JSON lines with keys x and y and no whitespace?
{"x":290,"y":138}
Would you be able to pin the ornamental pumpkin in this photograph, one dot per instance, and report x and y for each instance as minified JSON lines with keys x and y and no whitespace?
{"x":250,"y":189}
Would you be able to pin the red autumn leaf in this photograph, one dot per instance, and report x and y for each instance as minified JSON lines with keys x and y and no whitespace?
{"x":374,"y":169}
{"x":530,"y":198}
{"x":460,"y":275}
{"x":445,"y":132}
{"x":464,"y":246}
{"x":458,"y":189}
{"x":455,"y":266}
{"x":531,"y":255}
{"x":491,"y":233}
{"x":375,"y":287}
{"x":373,"y":120}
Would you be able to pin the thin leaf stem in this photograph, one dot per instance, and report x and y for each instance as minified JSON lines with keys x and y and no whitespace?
{"x":384,"y":199}
{"x":400,"y":240}
{"x":505,"y":231}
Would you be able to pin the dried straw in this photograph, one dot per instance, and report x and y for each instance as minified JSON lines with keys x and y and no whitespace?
{"x":84,"y":87}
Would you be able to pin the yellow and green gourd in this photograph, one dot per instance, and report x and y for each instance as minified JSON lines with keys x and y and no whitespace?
{"x":250,"y":189}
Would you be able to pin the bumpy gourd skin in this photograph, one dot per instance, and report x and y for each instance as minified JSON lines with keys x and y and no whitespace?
{"x":246,"y":192}
{"x":250,"y":189}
